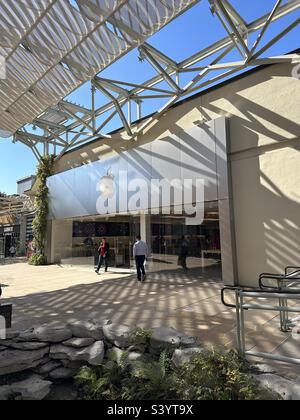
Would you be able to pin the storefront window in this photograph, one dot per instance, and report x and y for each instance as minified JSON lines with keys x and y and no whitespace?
{"x":167,"y":235}
{"x":9,"y":237}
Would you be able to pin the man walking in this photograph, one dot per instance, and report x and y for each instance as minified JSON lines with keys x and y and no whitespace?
{"x":12,"y":251}
{"x":140,"y":253}
{"x":184,"y":253}
{"x":103,"y":255}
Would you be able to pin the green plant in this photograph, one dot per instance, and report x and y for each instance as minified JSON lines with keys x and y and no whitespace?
{"x":45,"y":169}
{"x":38,"y":260}
{"x":218,"y":376}
{"x":208,"y":376}
{"x":141,"y":340}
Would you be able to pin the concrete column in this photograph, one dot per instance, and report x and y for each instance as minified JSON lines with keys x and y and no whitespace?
{"x":59,"y":240}
{"x":146,"y":233}
{"x":224,"y":184}
{"x":228,"y":246}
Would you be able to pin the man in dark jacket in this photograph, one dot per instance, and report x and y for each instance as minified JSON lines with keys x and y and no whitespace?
{"x":103,"y":255}
{"x":184,"y":253}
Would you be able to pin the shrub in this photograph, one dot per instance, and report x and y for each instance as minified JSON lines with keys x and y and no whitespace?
{"x":38,"y":260}
{"x":208,"y":376}
{"x":218,"y":376}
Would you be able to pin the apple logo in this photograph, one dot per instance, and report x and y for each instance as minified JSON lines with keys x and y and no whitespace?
{"x":107,"y":186}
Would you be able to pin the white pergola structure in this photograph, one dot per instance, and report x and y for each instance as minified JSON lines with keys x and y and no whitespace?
{"x":52,"y":47}
{"x":12,"y":207}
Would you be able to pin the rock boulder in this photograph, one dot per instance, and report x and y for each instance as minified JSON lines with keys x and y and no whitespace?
{"x":31,"y":389}
{"x":13,"y":361}
{"x":93,"y":354}
{"x":119,"y":335}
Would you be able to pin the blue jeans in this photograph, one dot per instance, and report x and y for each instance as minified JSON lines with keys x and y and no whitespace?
{"x":102,"y":260}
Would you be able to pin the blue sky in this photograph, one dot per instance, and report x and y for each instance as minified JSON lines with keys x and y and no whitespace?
{"x":186,"y":35}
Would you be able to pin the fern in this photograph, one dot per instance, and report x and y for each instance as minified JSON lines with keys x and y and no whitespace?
{"x":208,"y":376}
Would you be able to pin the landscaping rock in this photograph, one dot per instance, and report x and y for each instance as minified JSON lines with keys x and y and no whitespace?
{"x":13,"y":361}
{"x":87,"y":329}
{"x":289,"y":391}
{"x":46,"y":333}
{"x":119,"y":335}
{"x":9,"y":336}
{"x":73,"y":365}
{"x":115,"y":354}
{"x":31,"y":389}
{"x":134,"y":357}
{"x":170,"y":338}
{"x":47,"y":368}
{"x":263,"y":368}
{"x":93,"y":354}
{"x":181,"y":357}
{"x":27,"y":346}
{"x":79,"y":343}
{"x":62,"y":373}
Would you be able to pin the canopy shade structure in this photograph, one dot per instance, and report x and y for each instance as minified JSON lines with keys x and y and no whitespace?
{"x":12,"y":207}
{"x":52,"y":47}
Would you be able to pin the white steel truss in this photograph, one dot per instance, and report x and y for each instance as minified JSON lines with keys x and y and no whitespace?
{"x":65,"y":125}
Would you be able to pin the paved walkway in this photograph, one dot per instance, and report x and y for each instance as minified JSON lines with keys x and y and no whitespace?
{"x":188,"y":302}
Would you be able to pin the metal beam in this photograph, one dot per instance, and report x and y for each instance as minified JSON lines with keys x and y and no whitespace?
{"x":155,"y":64}
{"x":167,"y":69}
{"x":266,"y":26}
{"x":117,"y":105}
{"x":236,"y":36}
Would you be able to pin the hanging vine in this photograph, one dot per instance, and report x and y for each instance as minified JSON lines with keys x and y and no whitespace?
{"x":45,"y":169}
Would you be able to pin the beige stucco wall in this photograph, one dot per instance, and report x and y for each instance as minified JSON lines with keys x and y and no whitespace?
{"x":61,"y":233}
{"x":264,"y":128}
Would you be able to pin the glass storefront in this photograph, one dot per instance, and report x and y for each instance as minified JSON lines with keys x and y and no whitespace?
{"x":166,"y":235}
{"x":9,"y":236}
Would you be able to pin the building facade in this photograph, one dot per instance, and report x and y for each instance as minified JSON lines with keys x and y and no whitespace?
{"x":235,"y":150}
{"x":16,"y":216}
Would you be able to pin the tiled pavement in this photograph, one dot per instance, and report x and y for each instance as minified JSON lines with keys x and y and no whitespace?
{"x":188,"y":302}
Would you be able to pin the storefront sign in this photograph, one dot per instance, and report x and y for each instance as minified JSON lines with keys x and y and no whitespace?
{"x":9,"y":230}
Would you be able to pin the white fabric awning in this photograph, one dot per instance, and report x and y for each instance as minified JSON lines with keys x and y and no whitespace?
{"x":52,"y":46}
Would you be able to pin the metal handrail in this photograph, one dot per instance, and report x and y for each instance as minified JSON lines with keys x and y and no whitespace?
{"x":292,"y":280}
{"x":291,"y":267}
{"x":278,"y":278}
{"x":240,"y":306}
{"x":223,"y":291}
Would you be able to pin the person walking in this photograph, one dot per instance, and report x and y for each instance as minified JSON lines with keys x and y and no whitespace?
{"x":103,"y":255}
{"x":12,"y":251}
{"x":140,"y":253}
{"x":184,"y":252}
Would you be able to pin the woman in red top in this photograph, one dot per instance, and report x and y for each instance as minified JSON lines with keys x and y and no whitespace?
{"x":103,"y":255}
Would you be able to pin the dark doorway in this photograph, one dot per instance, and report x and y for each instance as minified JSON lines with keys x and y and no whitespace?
{"x":8,"y":244}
